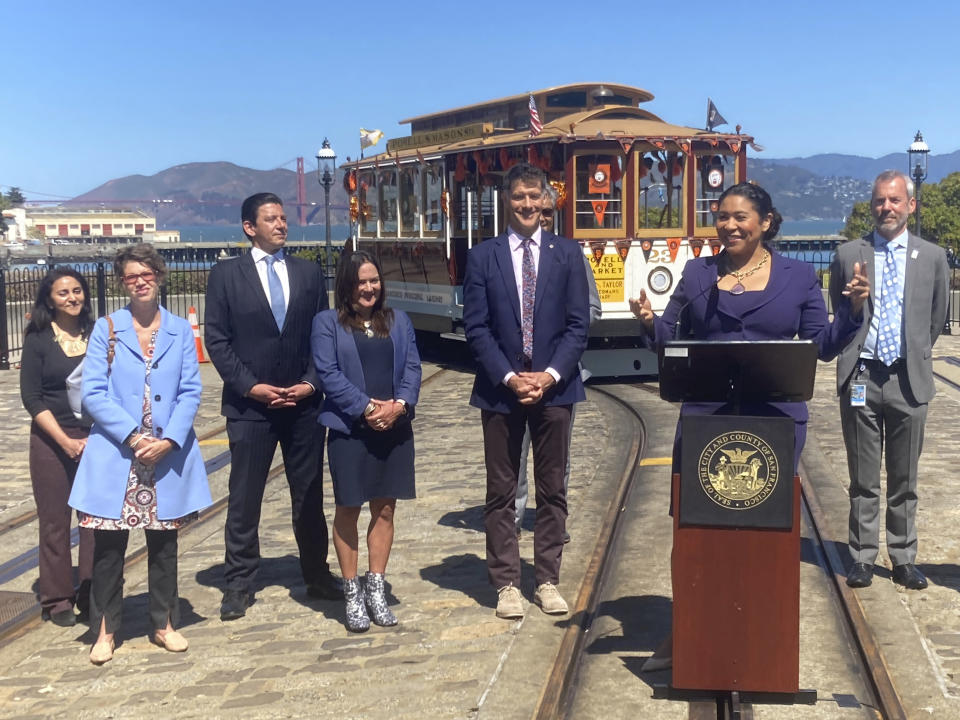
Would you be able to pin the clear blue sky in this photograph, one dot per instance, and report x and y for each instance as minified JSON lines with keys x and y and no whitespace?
{"x":103,"y":89}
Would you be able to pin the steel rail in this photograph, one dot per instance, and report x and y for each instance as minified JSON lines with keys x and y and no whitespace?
{"x":31,"y":515}
{"x":30,"y":617}
{"x":555,"y":693}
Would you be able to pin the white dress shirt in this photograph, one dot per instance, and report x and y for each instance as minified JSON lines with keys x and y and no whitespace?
{"x":516,"y":255}
{"x":260,"y":262}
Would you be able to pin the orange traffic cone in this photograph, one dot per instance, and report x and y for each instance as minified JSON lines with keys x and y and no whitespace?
{"x":192,"y":317}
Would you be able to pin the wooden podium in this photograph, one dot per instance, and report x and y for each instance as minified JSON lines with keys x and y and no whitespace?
{"x":736,"y":519}
{"x":736,"y":605}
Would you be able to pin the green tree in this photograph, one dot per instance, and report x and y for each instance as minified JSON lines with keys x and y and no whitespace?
{"x":939,"y":214}
{"x":940,"y":211}
{"x":4,"y":204}
{"x":859,"y":221}
{"x":15,"y":197}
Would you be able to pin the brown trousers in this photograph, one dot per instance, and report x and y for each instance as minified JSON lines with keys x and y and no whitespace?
{"x":52,"y":473}
{"x":502,"y":440}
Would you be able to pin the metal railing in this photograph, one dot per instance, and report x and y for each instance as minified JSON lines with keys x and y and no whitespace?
{"x":185,"y":286}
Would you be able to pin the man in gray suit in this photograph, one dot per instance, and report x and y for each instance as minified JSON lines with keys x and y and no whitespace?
{"x":885,"y":376}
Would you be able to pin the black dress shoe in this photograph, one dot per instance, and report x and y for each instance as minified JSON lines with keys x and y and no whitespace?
{"x":234,"y":605}
{"x":327,"y":587}
{"x":908,"y":576}
{"x":860,"y":575}
{"x":64,"y":618}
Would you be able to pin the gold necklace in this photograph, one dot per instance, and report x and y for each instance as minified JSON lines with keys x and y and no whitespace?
{"x":71,"y":346}
{"x":739,"y":289}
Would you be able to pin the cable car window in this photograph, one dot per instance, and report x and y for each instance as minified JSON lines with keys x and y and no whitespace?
{"x":388,"y":201}
{"x":568,"y":99}
{"x":715,"y":173}
{"x":369,"y":202}
{"x":598,"y":199}
{"x":410,"y":193}
{"x":660,"y":190}
{"x":432,"y":212}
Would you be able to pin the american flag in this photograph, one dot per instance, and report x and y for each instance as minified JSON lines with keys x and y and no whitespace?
{"x":536,"y":127}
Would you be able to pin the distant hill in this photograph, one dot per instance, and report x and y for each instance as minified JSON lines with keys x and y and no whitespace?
{"x":210,"y":193}
{"x":864,"y":168}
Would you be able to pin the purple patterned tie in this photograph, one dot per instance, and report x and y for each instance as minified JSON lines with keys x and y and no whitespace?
{"x":528,"y":294}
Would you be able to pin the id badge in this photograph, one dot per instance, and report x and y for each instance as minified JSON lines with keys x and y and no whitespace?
{"x":858,"y":395}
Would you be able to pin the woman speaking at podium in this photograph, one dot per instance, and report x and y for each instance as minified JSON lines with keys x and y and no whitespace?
{"x":750,"y":292}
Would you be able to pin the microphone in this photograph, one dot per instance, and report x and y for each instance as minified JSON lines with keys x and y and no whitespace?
{"x":679,"y":323}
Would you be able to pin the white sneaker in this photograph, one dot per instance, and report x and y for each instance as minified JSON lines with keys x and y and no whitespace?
{"x":549,"y":599}
{"x":509,"y":603}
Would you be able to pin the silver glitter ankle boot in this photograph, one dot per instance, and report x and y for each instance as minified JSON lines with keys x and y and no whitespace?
{"x":357,"y":618}
{"x":377,"y":601}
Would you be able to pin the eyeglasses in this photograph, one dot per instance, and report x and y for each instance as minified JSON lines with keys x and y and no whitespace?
{"x":547,"y":212}
{"x":148,"y":277}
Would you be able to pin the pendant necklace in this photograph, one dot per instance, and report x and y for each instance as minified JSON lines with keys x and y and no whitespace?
{"x":367,"y":328}
{"x":739,"y":289}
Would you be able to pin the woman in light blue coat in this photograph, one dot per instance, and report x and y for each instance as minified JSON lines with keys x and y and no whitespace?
{"x":142,"y":466}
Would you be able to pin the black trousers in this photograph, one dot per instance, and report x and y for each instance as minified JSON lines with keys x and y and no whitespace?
{"x":106,"y":591}
{"x":502,"y":441}
{"x":252,"y":446}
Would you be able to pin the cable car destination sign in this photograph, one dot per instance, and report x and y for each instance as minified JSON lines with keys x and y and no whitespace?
{"x":440,"y":137}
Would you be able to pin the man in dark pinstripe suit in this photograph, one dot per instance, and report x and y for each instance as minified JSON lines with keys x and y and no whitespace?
{"x":259,"y":311}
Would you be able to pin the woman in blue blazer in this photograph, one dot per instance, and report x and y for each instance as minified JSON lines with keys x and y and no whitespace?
{"x":142,"y":466}
{"x":369,"y":371}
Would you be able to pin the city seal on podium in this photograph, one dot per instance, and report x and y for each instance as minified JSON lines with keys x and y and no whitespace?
{"x":738,"y":470}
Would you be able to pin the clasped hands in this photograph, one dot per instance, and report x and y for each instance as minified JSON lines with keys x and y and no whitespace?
{"x":279,"y":397}
{"x":530,"y":386}
{"x":149,"y":450}
{"x":385,"y":414}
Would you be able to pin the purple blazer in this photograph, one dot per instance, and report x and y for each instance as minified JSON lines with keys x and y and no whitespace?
{"x":790,"y":306}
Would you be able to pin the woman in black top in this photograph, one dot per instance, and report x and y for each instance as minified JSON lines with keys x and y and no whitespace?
{"x":54,"y":344}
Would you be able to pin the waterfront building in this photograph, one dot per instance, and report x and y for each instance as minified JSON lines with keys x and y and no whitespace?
{"x":63,"y":224}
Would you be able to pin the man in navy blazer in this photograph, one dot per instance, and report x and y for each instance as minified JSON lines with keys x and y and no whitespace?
{"x":527,"y":376}
{"x":259,"y":312}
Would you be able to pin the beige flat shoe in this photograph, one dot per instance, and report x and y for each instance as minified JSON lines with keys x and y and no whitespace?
{"x":102,"y":652}
{"x":171,"y":640}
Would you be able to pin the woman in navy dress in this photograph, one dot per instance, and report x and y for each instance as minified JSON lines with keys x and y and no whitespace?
{"x":369,"y":372}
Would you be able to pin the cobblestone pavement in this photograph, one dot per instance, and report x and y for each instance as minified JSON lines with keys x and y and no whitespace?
{"x":291,"y":656}
{"x":919,"y":632}
{"x":450,"y":657}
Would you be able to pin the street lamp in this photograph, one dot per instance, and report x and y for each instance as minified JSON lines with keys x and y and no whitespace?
{"x":917,"y":157}
{"x":326,"y":170}
{"x":917,"y":154}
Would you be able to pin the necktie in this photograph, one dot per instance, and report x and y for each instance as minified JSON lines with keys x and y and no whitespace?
{"x":277,"y":304}
{"x":528,"y":274}
{"x":888,"y":329}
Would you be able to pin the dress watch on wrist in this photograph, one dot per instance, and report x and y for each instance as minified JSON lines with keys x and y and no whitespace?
{"x":369,"y":409}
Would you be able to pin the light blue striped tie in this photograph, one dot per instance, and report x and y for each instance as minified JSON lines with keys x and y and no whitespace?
{"x":277,"y":304}
{"x":889,"y":327}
